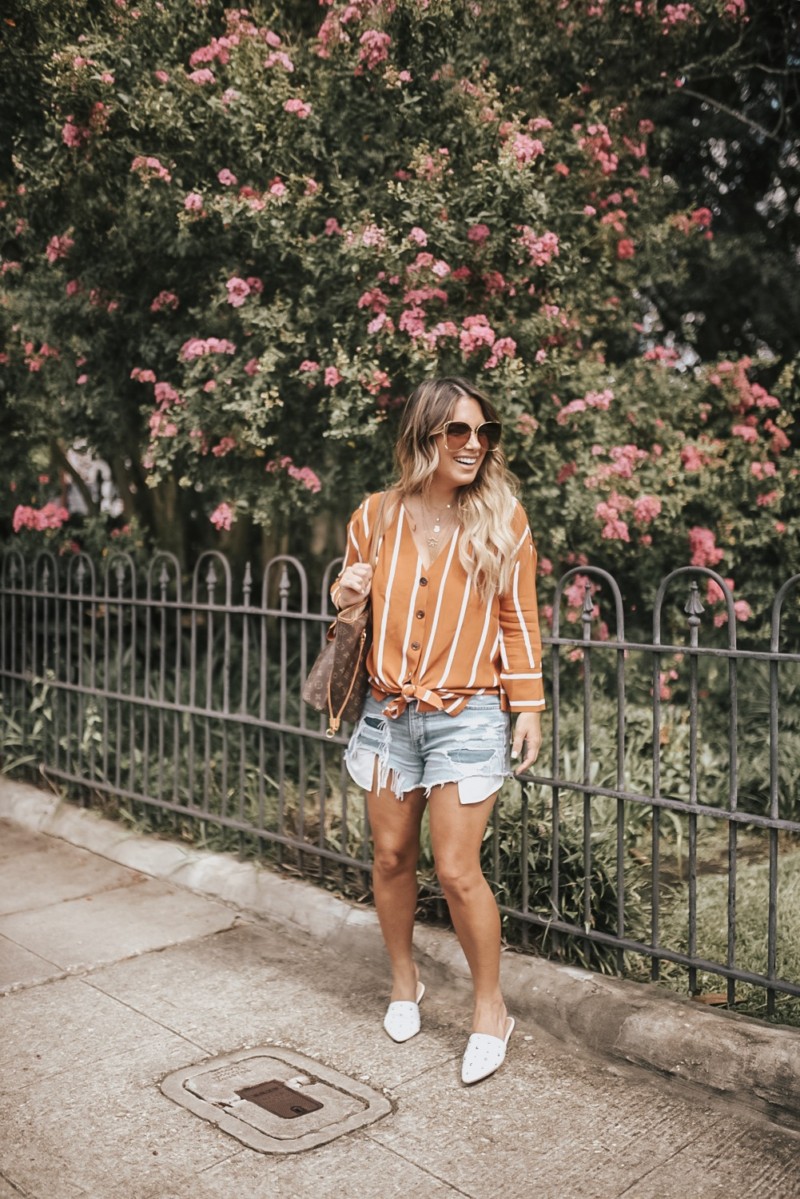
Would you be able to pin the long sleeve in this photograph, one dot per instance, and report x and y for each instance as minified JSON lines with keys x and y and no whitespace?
{"x":520,"y":636}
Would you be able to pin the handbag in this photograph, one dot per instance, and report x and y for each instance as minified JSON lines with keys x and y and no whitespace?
{"x":337,"y":682}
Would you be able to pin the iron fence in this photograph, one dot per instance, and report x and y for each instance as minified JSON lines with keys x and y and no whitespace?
{"x":664,"y":780}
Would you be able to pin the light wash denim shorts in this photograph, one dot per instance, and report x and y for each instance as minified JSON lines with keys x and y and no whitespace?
{"x":425,"y":749}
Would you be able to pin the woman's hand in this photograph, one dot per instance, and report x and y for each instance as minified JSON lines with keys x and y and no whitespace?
{"x":354,"y":584}
{"x":527,"y":734}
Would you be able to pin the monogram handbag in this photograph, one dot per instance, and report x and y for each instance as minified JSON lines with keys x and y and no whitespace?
{"x":337,"y":682}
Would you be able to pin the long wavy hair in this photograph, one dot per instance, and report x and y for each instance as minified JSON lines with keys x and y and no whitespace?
{"x":486,"y":506}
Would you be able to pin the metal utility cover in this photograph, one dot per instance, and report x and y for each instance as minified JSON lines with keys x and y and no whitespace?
{"x":248,"y":1095}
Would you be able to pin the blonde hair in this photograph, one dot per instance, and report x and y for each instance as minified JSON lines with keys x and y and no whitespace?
{"x":486,"y":507}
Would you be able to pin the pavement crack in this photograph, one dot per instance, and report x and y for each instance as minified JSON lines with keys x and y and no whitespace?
{"x":418,"y":1166}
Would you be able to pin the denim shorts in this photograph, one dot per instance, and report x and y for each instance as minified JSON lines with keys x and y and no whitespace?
{"x":425,"y":749}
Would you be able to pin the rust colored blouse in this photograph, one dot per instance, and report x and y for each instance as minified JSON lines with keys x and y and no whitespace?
{"x":434,"y":639}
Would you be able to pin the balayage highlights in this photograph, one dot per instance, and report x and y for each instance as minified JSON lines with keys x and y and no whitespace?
{"x":486,"y":507}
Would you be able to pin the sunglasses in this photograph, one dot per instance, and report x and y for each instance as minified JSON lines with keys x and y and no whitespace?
{"x":457,"y":433}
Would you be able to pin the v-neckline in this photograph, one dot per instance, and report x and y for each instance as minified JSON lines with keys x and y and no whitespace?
{"x":409,"y":522}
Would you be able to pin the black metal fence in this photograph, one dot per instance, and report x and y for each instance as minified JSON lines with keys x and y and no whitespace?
{"x":666,"y":803}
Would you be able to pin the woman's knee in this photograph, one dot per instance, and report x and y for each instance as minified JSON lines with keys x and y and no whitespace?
{"x":459,"y":879}
{"x":391,"y":861}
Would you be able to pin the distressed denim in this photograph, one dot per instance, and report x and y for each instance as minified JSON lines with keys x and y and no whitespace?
{"x":426,"y":749}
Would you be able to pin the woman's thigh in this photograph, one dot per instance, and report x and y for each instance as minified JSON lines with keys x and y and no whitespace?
{"x":457,"y":829}
{"x":395,"y":824}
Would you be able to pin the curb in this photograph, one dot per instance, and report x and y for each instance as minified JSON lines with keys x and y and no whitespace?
{"x":643,"y":1024}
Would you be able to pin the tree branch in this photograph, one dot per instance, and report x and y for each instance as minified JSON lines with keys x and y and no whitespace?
{"x":731,"y":112}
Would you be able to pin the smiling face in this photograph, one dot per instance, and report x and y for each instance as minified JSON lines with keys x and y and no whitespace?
{"x":459,"y":467}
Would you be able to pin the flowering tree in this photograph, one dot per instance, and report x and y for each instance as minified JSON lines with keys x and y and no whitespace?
{"x":240,"y":242}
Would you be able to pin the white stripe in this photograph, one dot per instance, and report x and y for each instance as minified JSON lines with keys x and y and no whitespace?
{"x":356,"y":546}
{"x":479,"y":650}
{"x":365,"y":520}
{"x":456,"y":635}
{"x":537,"y":674}
{"x":526,"y":703}
{"x":503,"y":654}
{"x":522,"y":625}
{"x":439,"y":600}
{"x":409,"y":624}
{"x":387,"y":605}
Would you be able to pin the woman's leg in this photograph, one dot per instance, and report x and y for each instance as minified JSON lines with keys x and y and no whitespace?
{"x":456,"y":833}
{"x":395,"y":834}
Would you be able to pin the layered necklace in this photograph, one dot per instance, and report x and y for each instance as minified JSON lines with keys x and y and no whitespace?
{"x":432,"y":524}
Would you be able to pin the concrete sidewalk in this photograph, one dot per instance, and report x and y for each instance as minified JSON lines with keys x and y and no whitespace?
{"x":114,"y":976}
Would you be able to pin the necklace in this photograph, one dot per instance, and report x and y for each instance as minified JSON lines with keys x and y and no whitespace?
{"x":433,"y":536}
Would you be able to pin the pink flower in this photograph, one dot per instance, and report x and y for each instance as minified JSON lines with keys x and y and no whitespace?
{"x":161,"y":76}
{"x":332,"y":226}
{"x":165,"y":299}
{"x":562,"y":169}
{"x":58,"y":247}
{"x":81,"y":379}
{"x":165,"y":394}
{"x":332,"y":376}
{"x":238,"y":291}
{"x":197,"y":347}
{"x":525,"y":149}
{"x":545,"y":567}
{"x":769,"y":497}
{"x":540,"y":250}
{"x":746,"y":432}
{"x":476,"y":332}
{"x":223,"y":447}
{"x":251,"y":367}
{"x":703,"y":549}
{"x":298,"y":107}
{"x":418,"y":236}
{"x":222,"y":517}
{"x":440,"y":269}
{"x":478,"y":233}
{"x":227,"y":178}
{"x":646,"y":508}
{"x":51,"y":516}
{"x":625,"y":248}
{"x":203,"y":76}
{"x":308,"y":365}
{"x":193,"y":202}
{"x":150,"y":168}
{"x":143,"y":376}
{"x":374,"y":49}
{"x":504,"y":347}
{"x":74,"y":135}
{"x":279,"y":59}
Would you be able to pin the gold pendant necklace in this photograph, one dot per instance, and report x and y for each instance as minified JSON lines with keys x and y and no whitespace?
{"x":433,"y":537}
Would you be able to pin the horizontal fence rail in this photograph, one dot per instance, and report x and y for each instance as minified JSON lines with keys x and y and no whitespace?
{"x":668,"y":795}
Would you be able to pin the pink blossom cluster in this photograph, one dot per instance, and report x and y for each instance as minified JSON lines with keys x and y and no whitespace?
{"x":624,"y":461}
{"x":767,"y":498}
{"x":749,"y":395}
{"x":222,"y":517}
{"x":763,"y":470}
{"x":540,"y":249}
{"x":504,"y":347}
{"x":165,"y":299}
{"x":665,"y":677}
{"x":302,"y":474}
{"x":418,"y":236}
{"x":524,"y":150}
{"x":646,"y":508}
{"x":202,"y":76}
{"x":143,"y":375}
{"x":73,"y":135}
{"x":736,"y":10}
{"x":35,"y":359}
{"x":625,"y":249}
{"x":694,"y":459}
{"x":575,"y":594}
{"x":150,"y":168}
{"x":698,"y":220}
{"x":675,"y":14}
{"x":704,"y":550}
{"x":478,"y":233}
{"x":58,"y":247}
{"x":51,"y":516}
{"x":197,"y":347}
{"x":279,"y":58}
{"x":376,"y":383}
{"x":666,"y":355}
{"x":592,"y":399}
{"x":298,"y":108}
{"x":476,"y":332}
{"x":161,"y":425}
{"x":240,"y":289}
{"x":747,"y":433}
{"x":218,"y":48}
{"x":598,"y":144}
{"x":166,"y":394}
{"x":223,"y":447}
{"x":614,"y":528}
{"x":332,"y":376}
{"x":374,"y":50}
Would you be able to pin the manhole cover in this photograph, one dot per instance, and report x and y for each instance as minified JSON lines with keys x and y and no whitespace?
{"x":274,"y":1100}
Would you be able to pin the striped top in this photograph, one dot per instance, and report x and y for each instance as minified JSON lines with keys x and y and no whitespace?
{"x":434,"y":639}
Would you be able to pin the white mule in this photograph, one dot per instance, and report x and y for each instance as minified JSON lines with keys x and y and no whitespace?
{"x":485,"y":1054}
{"x":402,"y":1017}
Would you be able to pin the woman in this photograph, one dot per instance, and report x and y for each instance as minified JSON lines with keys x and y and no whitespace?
{"x":456,"y":649}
